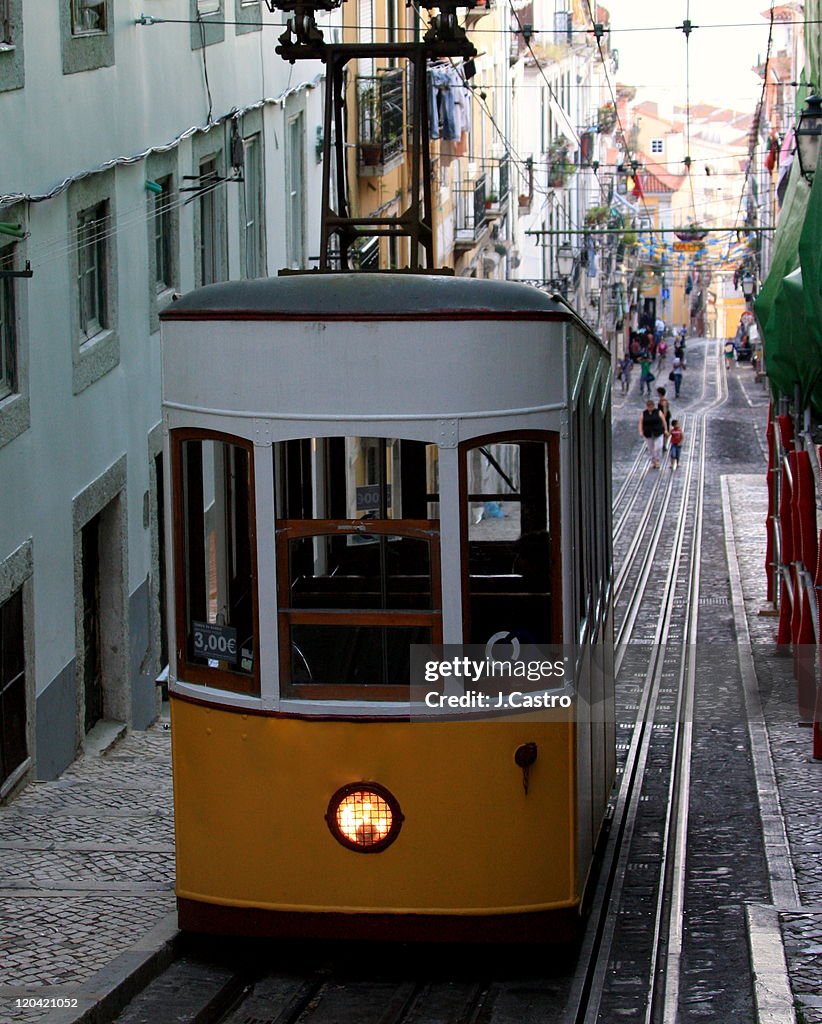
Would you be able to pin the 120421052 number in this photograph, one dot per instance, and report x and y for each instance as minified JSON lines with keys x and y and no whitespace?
{"x":46,"y":1002}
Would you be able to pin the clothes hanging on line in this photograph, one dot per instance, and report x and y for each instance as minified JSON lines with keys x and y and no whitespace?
{"x":449,"y":104}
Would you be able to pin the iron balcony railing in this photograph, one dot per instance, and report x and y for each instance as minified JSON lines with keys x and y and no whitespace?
{"x":380,"y":105}
{"x":469,"y":204}
{"x":498,"y":181}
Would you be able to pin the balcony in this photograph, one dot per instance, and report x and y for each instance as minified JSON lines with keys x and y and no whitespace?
{"x":498,"y":185}
{"x":380,"y":103}
{"x":470,"y":213}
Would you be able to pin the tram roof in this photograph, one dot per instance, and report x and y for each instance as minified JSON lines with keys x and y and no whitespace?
{"x":316,"y":295}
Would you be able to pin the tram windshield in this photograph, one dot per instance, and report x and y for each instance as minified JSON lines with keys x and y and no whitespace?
{"x":357,"y":563}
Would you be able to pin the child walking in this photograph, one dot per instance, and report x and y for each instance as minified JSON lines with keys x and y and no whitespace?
{"x":677,"y":437}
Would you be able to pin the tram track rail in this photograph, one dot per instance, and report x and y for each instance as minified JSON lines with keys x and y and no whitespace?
{"x":655,"y":718}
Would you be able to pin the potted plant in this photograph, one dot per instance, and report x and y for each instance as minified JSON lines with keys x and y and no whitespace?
{"x":371,"y":147}
{"x":560,"y":166}
{"x":597,"y":215}
{"x":606,"y":117}
{"x":492,"y":199}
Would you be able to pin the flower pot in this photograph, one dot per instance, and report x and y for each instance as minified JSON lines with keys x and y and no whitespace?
{"x":371,"y":153}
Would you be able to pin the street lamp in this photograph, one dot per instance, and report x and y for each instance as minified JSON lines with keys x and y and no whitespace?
{"x":809,"y":137}
{"x":748,"y":284}
{"x":565,"y":260}
{"x":565,"y":265}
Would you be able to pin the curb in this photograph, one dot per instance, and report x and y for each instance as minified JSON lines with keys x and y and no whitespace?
{"x":102,"y":996}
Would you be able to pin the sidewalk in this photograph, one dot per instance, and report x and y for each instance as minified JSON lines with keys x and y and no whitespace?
{"x":87,"y":872}
{"x":797,"y":793}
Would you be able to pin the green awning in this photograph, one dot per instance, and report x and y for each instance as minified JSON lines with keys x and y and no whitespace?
{"x":789,"y":307}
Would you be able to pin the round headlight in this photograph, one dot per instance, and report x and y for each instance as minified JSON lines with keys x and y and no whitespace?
{"x":364,"y":816}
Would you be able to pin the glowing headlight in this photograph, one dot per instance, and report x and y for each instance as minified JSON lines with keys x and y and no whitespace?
{"x":364,"y":816}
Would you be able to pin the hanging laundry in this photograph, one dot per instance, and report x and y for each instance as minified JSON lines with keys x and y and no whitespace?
{"x":442,"y":82}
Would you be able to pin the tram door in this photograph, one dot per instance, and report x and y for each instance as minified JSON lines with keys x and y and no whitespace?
{"x":92,"y":659}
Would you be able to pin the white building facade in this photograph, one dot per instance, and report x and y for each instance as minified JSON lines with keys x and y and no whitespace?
{"x":145,"y":159}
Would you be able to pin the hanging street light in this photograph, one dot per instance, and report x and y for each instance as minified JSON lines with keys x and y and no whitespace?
{"x":809,"y":136}
{"x":565,"y":260}
{"x":748,"y":284}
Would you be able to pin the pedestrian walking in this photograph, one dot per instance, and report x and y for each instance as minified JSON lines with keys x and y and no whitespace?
{"x":676,"y":375}
{"x":662,"y":353}
{"x":664,"y":407}
{"x":646,"y":375}
{"x":730,"y":352}
{"x":677,"y":437}
{"x":653,"y":431}
{"x":625,"y":367}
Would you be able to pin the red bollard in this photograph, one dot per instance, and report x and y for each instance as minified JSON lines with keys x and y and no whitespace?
{"x":783,"y":630}
{"x":770,"y":519}
{"x":805,"y":490}
{"x":804,"y":655}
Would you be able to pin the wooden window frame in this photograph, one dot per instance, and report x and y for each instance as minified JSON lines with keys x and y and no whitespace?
{"x":551,"y":439}
{"x":189,"y":672}
{"x":291,"y":529}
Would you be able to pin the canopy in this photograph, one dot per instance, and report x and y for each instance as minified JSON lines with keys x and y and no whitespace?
{"x":789,"y":307}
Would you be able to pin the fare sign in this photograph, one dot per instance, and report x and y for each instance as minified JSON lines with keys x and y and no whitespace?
{"x":688,"y":246}
{"x":214,"y":641}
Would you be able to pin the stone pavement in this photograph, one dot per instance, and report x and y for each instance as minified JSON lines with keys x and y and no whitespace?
{"x":798,"y":777}
{"x":86,"y":871}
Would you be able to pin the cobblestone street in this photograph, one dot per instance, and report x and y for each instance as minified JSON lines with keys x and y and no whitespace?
{"x":88,"y":870}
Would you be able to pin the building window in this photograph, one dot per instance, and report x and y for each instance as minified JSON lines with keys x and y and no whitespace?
{"x":92,"y":229}
{"x":88,"y":16}
{"x":92,"y":251}
{"x":86,"y":36}
{"x":13,"y":747}
{"x":163,"y":232}
{"x":12,"y":72}
{"x":253,"y":206}
{"x":295,"y":192}
{"x":6,"y":35}
{"x":8,"y":326}
{"x":164,"y":268}
{"x":209,"y":223}
{"x":207,"y":18}
{"x":247,"y":16}
{"x":657,"y":146}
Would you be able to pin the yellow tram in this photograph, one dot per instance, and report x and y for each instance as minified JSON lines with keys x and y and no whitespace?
{"x":359,"y":464}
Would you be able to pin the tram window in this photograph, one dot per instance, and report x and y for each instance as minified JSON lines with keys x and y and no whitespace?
{"x":357,"y":563}
{"x":359,"y":571}
{"x":356,"y":477}
{"x":215,"y":564}
{"x":510,"y":499}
